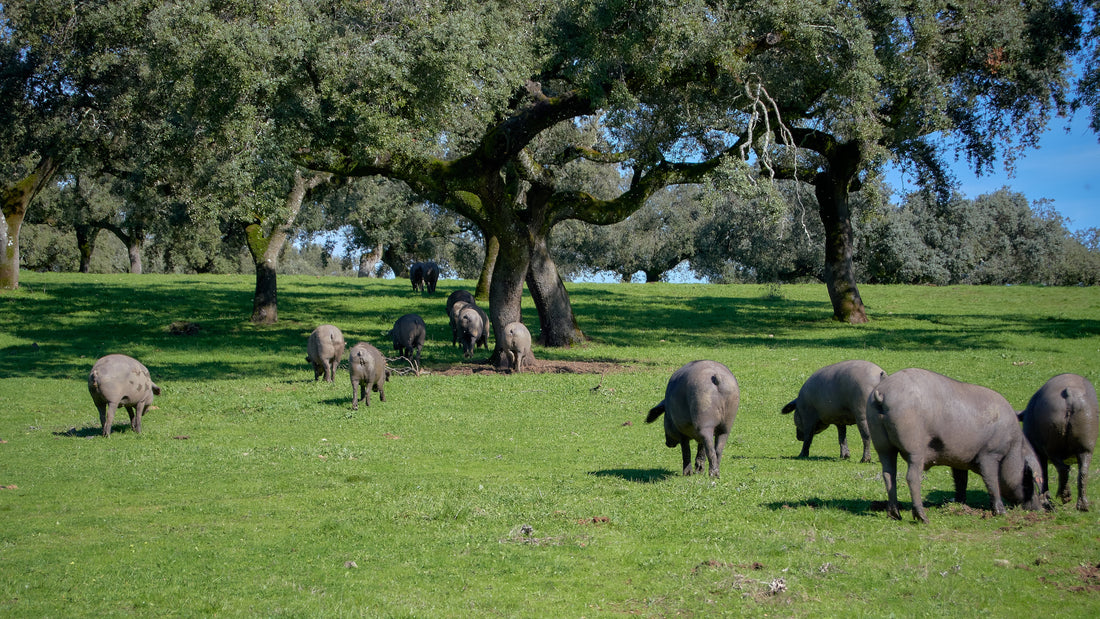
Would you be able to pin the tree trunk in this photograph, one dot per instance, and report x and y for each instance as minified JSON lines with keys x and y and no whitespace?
{"x":85,"y":243}
{"x":133,"y":248}
{"x":368,"y":262}
{"x":556,"y":321}
{"x":492,"y":248}
{"x":398,"y":264}
{"x":14,"y":200}
{"x":265,"y":250}
{"x":840,"y":274}
{"x":506,"y":293}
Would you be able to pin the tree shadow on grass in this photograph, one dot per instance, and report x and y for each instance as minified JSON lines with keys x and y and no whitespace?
{"x":857,"y":507}
{"x":640,"y":476}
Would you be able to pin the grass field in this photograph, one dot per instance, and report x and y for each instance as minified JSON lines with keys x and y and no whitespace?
{"x":255,"y":491}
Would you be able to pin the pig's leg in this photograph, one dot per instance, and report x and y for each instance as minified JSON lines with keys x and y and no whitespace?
{"x":1083,"y":461}
{"x":890,"y":479}
{"x":865,"y":434}
{"x":685,"y":451}
{"x":1063,"y":478}
{"x":108,"y":419}
{"x":990,"y":472}
{"x":960,"y":476}
{"x":842,"y":436}
{"x":913,"y":478}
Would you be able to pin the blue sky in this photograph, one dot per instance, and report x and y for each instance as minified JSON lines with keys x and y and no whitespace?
{"x":1064,"y":169}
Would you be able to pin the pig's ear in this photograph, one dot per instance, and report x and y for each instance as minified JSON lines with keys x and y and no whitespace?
{"x":789,"y":408}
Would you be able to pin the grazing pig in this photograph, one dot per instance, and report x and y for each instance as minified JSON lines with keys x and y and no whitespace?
{"x":120,"y":380}
{"x":454,"y":311}
{"x":456,"y":296}
{"x":835,"y":395}
{"x":368,"y":373}
{"x":932,"y":420}
{"x":517,"y":344}
{"x":1061,"y":421}
{"x":431,"y":276}
{"x":409,"y":333}
{"x":416,"y":276}
{"x":471,"y":328}
{"x":324,"y":351}
{"x":700,"y":404}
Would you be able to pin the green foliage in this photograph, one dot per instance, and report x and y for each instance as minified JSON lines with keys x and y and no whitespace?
{"x":252,"y":488}
{"x":996,"y":238}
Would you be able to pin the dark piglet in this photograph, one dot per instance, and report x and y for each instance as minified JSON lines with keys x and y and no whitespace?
{"x":118,"y":380}
{"x":368,"y":372}
{"x":409,"y":334}
{"x":835,"y":395}
{"x":700,"y":404}
{"x":932,"y":420}
{"x":1061,"y":423}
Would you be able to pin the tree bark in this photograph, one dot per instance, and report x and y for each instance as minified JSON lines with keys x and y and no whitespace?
{"x":840,"y":274}
{"x":558,"y":326}
{"x":506,"y":293}
{"x":265,"y":249}
{"x":14,"y":199}
{"x":368,"y":262}
{"x":492,"y":248}
{"x":133,"y":248}
{"x":85,"y":243}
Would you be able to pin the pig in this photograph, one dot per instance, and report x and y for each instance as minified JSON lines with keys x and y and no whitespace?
{"x":517,"y":345}
{"x":471,"y":330}
{"x":409,"y":333}
{"x":416,"y":276}
{"x":431,"y":276}
{"x":325,"y":349}
{"x":368,"y":372}
{"x":1060,"y":422}
{"x":456,"y":296}
{"x":933,"y":420}
{"x":835,"y":395}
{"x":120,"y":380}
{"x":700,"y":404}
{"x":454,"y":311}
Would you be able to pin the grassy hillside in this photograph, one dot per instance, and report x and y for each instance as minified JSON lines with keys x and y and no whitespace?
{"x":254,"y":490}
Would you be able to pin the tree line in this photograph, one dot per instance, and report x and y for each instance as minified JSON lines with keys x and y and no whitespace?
{"x":998,"y":238}
{"x":230,"y":119}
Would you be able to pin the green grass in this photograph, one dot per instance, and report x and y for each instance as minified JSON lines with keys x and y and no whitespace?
{"x":252,"y":487}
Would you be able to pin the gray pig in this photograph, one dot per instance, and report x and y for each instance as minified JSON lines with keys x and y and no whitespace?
{"x":700,"y":404}
{"x":932,"y":420}
{"x":454,"y":310}
{"x":835,"y":395}
{"x":368,"y":372}
{"x":517,"y":344}
{"x":1061,"y":422}
{"x":324,"y":351}
{"x":409,"y":334}
{"x":120,"y":380}
{"x":471,"y":330}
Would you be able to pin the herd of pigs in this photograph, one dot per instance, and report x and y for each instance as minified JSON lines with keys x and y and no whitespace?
{"x":927,"y":418}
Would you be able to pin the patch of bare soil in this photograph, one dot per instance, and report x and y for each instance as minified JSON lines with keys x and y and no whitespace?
{"x":540,"y":366}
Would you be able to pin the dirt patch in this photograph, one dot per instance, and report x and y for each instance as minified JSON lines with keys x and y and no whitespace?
{"x":540,"y":366}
